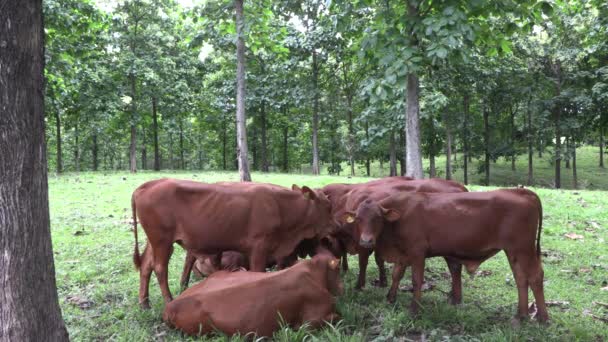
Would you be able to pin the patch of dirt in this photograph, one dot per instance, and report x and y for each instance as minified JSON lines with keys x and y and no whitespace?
{"x":79,"y":301}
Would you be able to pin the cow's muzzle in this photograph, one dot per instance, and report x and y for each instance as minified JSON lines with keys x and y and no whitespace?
{"x":366,"y":242}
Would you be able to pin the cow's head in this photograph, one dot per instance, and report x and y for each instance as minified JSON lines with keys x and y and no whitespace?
{"x":322,"y":207}
{"x":331,"y":266}
{"x":369,"y":220}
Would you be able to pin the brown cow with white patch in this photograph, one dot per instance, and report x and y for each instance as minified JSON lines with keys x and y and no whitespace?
{"x":468,"y":227}
{"x":255,"y":302}
{"x":262,"y":221}
{"x":349,"y":235}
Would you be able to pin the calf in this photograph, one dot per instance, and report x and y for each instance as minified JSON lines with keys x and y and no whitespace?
{"x":262,"y":221}
{"x":349,"y":234}
{"x":254,"y":302}
{"x":468,"y":227}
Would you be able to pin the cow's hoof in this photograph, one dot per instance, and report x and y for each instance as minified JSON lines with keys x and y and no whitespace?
{"x":391,"y":298}
{"x":145,"y":305}
{"x":454,"y":301}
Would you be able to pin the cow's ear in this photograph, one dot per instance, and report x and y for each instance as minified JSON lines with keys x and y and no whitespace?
{"x":309,"y":193}
{"x":348,"y":217}
{"x":295,"y":188}
{"x":391,"y":215}
{"x":334,"y":264}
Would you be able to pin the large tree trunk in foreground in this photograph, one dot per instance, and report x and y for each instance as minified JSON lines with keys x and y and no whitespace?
{"x":29,"y":308}
{"x":393,"y":154}
{"x":241,"y":120}
{"x":412,"y":128}
{"x":315,"y":115}
{"x":155,"y":129}
{"x":133,"y":145}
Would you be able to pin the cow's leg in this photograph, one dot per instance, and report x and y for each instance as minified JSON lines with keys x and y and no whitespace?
{"x":417,"y":281}
{"x":521,"y":280}
{"x":455,"y":268}
{"x":145,"y":272}
{"x":257,"y":260}
{"x":535,"y":275}
{"x":162,"y":254}
{"x":363,"y":259}
{"x":398,"y":270}
{"x":344,"y":262}
{"x":381,"y":270}
{"x":188,"y":263}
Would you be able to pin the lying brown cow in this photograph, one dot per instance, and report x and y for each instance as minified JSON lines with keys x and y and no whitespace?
{"x":349,"y":235}
{"x":468,"y":227}
{"x":255,"y":302}
{"x":262,"y":221}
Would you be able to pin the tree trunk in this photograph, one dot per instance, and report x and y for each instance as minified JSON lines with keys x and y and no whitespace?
{"x":574,"y":175}
{"x":241,"y":120}
{"x":465,"y":131}
{"x":133,"y":146}
{"x":402,"y":157}
{"x":58,"y":128}
{"x":351,"y":134}
{"x":255,"y":165}
{"x":155,"y":128}
{"x":285,"y":149}
{"x":76,"y":148}
{"x":558,"y":113}
{"x":412,"y":145}
{"x":568,"y":151}
{"x":29,"y":307}
{"x":224,"y":142}
{"x":601,"y":146}
{"x":264,"y":138}
{"x":171,"y":165}
{"x":95,"y":152}
{"x":144,"y":152}
{"x":393,"y":154}
{"x":182,"y":164}
{"x":530,"y":145}
{"x":513,"y":138}
{"x":367,"y":161}
{"x":448,"y":157}
{"x":486,"y":142}
{"x":315,"y":115}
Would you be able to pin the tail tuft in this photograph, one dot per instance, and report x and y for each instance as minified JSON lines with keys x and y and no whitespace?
{"x":136,"y":255}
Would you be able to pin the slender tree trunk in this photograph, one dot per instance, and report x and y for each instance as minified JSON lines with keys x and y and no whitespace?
{"x":224,"y":142}
{"x":367,"y":161}
{"x":448,"y":156}
{"x":315,"y":115}
{"x":558,"y":113}
{"x":465,"y":131}
{"x":404,"y":134}
{"x":29,"y":307}
{"x":133,"y":146}
{"x":285,"y":149}
{"x":393,"y":154}
{"x":602,"y":146}
{"x":144,"y":152}
{"x":351,"y":134}
{"x":574,"y":175}
{"x":513,"y":138}
{"x":254,"y":148}
{"x":530,"y":144}
{"x":171,"y":159}
{"x":95,"y":152}
{"x":412,"y":115}
{"x":155,"y":128}
{"x":241,"y":119}
{"x":182,"y":164}
{"x":568,"y":152}
{"x":76,"y":148}
{"x":486,"y":142}
{"x":402,"y":156}
{"x":264,"y":138}
{"x":58,"y":132}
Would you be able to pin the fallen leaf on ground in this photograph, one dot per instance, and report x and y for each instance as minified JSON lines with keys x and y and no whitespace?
{"x":483,"y":273}
{"x":79,"y":301}
{"x":584,"y":270}
{"x":595,"y":225}
{"x":574,"y":236}
{"x":559,"y":303}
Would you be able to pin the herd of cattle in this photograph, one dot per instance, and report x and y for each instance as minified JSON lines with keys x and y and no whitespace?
{"x":235,"y":227}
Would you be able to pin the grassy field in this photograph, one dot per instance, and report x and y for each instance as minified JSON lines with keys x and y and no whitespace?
{"x":590,"y":175}
{"x":93,"y":244}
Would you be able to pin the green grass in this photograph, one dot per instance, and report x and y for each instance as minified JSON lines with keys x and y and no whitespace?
{"x":93,"y":246}
{"x":590,"y":175}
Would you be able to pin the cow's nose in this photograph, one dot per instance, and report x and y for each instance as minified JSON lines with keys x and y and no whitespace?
{"x":366,"y":242}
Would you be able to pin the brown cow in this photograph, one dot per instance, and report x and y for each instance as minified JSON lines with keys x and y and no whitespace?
{"x":349,"y":235}
{"x":262,"y":221}
{"x":468,"y":227}
{"x":255,"y":302}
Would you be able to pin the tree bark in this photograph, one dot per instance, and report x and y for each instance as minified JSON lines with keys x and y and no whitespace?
{"x":144,"y":152}
{"x":486,"y":142}
{"x":465,"y":131}
{"x":58,"y":134}
{"x":95,"y":152}
{"x":133,"y":145}
{"x":558,"y":113}
{"x":530,"y":145}
{"x":264,"y":154}
{"x":351,"y":134}
{"x":513,"y":138}
{"x":76,"y":148}
{"x":393,"y":154}
{"x":402,"y":157}
{"x":568,"y":151}
{"x":29,"y":307}
{"x":315,"y":115}
{"x":155,"y":128}
{"x":412,"y":115}
{"x":241,"y":120}
{"x":574,"y":175}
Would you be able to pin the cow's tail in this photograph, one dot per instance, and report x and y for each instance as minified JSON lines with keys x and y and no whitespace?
{"x":136,"y":256}
{"x":540,"y":226}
